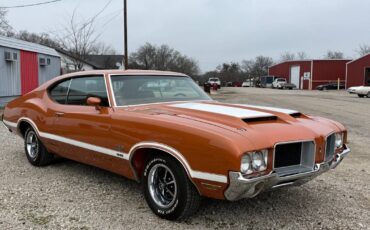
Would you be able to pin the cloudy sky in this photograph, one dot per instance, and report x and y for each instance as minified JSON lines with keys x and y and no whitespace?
{"x":214,"y":31}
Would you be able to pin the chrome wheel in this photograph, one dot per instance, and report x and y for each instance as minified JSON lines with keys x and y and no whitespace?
{"x":32,"y":144}
{"x":162,"y":185}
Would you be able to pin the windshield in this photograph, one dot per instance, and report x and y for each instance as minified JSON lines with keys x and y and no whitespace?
{"x":133,"y":90}
{"x":213,"y":79}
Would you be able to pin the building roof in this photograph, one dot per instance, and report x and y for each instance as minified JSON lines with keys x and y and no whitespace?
{"x":309,"y":60}
{"x":105,"y":61}
{"x":366,"y":55}
{"x":28,"y":46}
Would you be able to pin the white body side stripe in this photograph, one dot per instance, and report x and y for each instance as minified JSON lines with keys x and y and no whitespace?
{"x":224,"y":110}
{"x":10,"y":124}
{"x":279,"y":110}
{"x":125,"y":156}
{"x":84,"y":145}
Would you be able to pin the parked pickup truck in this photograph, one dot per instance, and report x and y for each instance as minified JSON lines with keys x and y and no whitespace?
{"x":281,"y":83}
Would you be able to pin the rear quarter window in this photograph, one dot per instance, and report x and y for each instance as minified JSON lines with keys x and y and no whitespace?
{"x":58,"y":93}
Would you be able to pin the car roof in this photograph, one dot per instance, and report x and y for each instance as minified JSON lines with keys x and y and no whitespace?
{"x":131,"y":72}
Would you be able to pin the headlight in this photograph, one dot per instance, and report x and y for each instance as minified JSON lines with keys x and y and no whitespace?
{"x":245,"y":166}
{"x":254,"y":162}
{"x":338,"y":140}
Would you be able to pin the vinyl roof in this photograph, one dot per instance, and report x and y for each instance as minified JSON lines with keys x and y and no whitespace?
{"x":28,"y":46}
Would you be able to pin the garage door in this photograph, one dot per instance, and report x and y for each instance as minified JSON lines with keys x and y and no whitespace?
{"x":294,"y":75}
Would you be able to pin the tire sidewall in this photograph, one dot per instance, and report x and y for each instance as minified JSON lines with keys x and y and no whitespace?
{"x":37,"y":158}
{"x":175,"y":210}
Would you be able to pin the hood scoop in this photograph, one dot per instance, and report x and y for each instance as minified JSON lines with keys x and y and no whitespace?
{"x":259,"y":119}
{"x":296,"y":115}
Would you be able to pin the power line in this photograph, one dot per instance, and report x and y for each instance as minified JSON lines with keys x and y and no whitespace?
{"x":28,"y":5}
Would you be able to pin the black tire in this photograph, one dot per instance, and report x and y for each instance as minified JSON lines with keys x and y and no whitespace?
{"x":360,"y":95}
{"x":324,"y":88}
{"x":368,"y":95}
{"x":186,"y":199}
{"x":35,"y":151}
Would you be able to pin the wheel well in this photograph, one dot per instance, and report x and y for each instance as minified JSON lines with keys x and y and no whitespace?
{"x":141,"y":156}
{"x":23,"y":126}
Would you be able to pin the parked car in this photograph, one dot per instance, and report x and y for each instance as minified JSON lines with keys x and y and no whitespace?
{"x":363,"y":91}
{"x":281,"y":83}
{"x":277,"y":82}
{"x":175,"y":140}
{"x":247,"y":83}
{"x":215,"y":80}
{"x":266,"y":81}
{"x":237,"y":84}
{"x":353,"y":89}
{"x":330,"y":86}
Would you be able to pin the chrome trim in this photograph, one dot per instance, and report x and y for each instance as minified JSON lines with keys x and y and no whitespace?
{"x":242,"y":187}
{"x":154,"y":103}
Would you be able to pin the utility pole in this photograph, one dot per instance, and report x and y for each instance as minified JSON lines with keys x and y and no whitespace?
{"x":125,"y":33}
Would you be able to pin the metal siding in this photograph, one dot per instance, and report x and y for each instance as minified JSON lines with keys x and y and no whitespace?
{"x":283,"y":70}
{"x":327,"y":71}
{"x":356,"y":71}
{"x":10,"y":80}
{"x":29,"y":71}
{"x":49,"y":71}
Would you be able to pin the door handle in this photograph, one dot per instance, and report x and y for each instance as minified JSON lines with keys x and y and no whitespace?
{"x":59,"y":114}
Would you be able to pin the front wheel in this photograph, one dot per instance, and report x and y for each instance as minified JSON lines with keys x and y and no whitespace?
{"x":36,"y":152}
{"x":168,"y":190}
{"x":368,"y":95}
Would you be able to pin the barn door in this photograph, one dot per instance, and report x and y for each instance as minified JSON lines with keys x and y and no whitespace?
{"x":294,"y":75}
{"x":367,"y":77}
{"x":29,"y":71}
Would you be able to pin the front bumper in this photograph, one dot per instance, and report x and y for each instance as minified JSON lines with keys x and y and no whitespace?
{"x":243,"y":187}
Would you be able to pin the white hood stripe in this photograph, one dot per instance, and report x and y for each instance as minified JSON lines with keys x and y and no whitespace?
{"x":279,"y":110}
{"x":224,"y":110}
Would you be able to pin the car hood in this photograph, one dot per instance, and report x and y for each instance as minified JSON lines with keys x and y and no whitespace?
{"x":265,"y":124}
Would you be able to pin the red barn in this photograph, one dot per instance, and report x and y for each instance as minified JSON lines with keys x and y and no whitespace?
{"x":307,"y":74}
{"x":358,"y":72}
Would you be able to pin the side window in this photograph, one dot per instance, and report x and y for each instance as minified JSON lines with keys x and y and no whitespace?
{"x":83,"y":87}
{"x":59,"y":92}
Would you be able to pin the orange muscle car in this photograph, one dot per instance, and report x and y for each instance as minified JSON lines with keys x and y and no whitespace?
{"x":161,"y":129}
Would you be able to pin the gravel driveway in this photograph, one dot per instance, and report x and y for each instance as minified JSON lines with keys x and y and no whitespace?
{"x":69,"y":195}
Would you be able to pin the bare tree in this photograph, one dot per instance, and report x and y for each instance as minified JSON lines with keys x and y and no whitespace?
{"x":101,"y":48}
{"x":287,"y":56}
{"x":42,"y":38}
{"x":257,"y":67}
{"x":5,"y":27}
{"x":79,"y":40}
{"x":302,"y":55}
{"x":162,"y":57}
{"x":363,"y":50}
{"x":334,"y":55}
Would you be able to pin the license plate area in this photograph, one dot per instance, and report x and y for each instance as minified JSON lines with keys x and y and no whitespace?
{"x":293,"y":158}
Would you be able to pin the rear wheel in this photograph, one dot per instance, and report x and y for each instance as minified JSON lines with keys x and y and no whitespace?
{"x":168,"y":190}
{"x":360,"y":95}
{"x":368,"y":95}
{"x":36,"y":152}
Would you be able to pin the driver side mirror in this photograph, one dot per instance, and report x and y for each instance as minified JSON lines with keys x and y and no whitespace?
{"x":94,"y":101}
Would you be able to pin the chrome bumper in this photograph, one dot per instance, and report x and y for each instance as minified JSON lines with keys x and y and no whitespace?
{"x":242,"y":187}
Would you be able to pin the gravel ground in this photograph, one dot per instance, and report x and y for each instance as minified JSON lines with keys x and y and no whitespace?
{"x":69,"y":195}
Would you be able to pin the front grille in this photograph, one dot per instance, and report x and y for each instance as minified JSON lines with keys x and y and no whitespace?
{"x":292,"y":158}
{"x":330,"y":147}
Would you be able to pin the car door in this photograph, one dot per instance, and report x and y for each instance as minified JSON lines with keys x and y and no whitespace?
{"x":80,"y":129}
